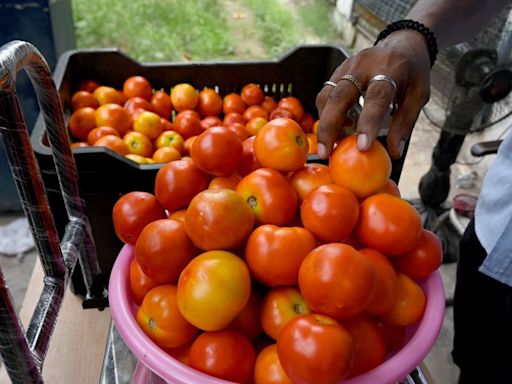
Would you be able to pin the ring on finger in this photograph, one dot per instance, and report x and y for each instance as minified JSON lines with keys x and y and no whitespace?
{"x":354,"y":81}
{"x":331,"y":83}
{"x":385,"y":78}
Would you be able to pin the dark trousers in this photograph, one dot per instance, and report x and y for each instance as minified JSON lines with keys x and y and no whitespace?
{"x":482,"y":346}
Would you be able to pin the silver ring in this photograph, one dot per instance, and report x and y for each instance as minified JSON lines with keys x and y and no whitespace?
{"x":383,"y":78}
{"x":331,"y":83}
{"x":354,"y":81}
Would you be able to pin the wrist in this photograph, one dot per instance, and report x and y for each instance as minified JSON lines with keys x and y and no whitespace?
{"x":412,"y":40}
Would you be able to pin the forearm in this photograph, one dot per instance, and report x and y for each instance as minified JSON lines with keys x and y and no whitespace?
{"x":454,"y":21}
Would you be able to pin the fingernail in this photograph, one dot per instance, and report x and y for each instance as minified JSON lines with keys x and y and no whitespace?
{"x":362,"y":141}
{"x":322,"y":151}
{"x":401,"y":147}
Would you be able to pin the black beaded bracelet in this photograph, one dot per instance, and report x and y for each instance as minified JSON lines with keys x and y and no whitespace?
{"x":416,"y":26}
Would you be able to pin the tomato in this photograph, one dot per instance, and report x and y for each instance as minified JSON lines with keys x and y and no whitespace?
{"x":233,"y":103}
{"x":394,"y":335}
{"x":217,"y":151}
{"x":315,"y":349}
{"x":138,"y":144}
{"x":209,"y":103}
{"x":423,"y":259}
{"x":184,"y":96}
{"x":171,"y":139}
{"x":279,"y":306}
{"x":274,"y":254}
{"x":369,"y":344}
{"x":232,"y":118}
{"x":212,"y":289}
{"x":252,"y":94}
{"x":255,"y":111}
{"x":114,"y":143}
{"x":218,"y":219}
{"x":137,"y":86}
{"x":187,"y":123}
{"x":255,"y":124}
{"x":307,"y":122}
{"x":82,"y":99}
{"x":270,"y":196}
{"x":177,"y":182}
{"x":391,"y":188}
{"x":330,"y":212}
{"x":410,"y":304}
{"x":81,"y":122}
{"x":115,"y":116}
{"x":363,"y":173}
{"x":166,"y":154}
{"x":281,"y":144}
{"x":336,"y":280}
{"x":229,"y":182}
{"x":386,"y":283}
{"x":388,"y":224}
{"x":248,"y":320}
{"x":228,"y":355}
{"x":160,"y":319}
{"x":268,"y":369}
{"x":293,"y":105}
{"x":248,"y":162}
{"x":140,"y":283}
{"x":149,"y":124}
{"x":313,"y":143}
{"x":109,"y":95}
{"x":188,"y":144}
{"x":268,"y":104}
{"x":163,"y":249}
{"x":279,"y":113}
{"x":161,"y":102}
{"x":99,"y":132}
{"x":181,"y":353}
{"x":135,"y":103}
{"x":310,"y":176}
{"x":88,"y":85}
{"x":210,"y":121}
{"x":239,"y":130}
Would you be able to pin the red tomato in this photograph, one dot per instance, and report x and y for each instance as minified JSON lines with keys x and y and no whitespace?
{"x":136,"y":102}
{"x":229,"y":182}
{"x":218,"y":219}
{"x":281,"y":144}
{"x":315,"y":349}
{"x":163,"y":249}
{"x":132,"y":212}
{"x":180,"y":353}
{"x":137,"y":86}
{"x":217,"y":151}
{"x":140,"y":283}
{"x":160,"y":319}
{"x":268,"y":369}
{"x":293,"y":105}
{"x":187,"y":124}
{"x":212,"y":289}
{"x":307,"y":122}
{"x":410,"y":304}
{"x":248,"y":320}
{"x":252,"y":94}
{"x":255,"y":111}
{"x":209,"y":103}
{"x":279,"y":306}
{"x":233,"y":103}
{"x":210,"y":121}
{"x":228,"y":355}
{"x":386,"y":283}
{"x":239,"y":130}
{"x":310,"y":176}
{"x":177,"y":182}
{"x":391,"y":188}
{"x":274,"y":254}
{"x":423,"y":259}
{"x":388,"y":224}
{"x":248,"y":163}
{"x":270,"y":196}
{"x":280,"y":113}
{"x":330,"y":212}
{"x":394,"y":335}
{"x":337,"y":281}
{"x":369,"y":344}
{"x":268,"y":104}
{"x":162,"y":105}
{"x":363,"y":173}
{"x":232,"y":118}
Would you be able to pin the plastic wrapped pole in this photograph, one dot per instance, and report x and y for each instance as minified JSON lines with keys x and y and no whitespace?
{"x":22,"y":354}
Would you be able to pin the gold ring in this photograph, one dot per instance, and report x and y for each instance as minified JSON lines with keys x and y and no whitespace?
{"x":354,"y":81}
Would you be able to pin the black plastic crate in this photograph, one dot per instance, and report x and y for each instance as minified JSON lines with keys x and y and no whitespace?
{"x":105,"y":175}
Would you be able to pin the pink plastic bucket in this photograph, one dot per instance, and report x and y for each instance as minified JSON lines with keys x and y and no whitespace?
{"x":157,"y":364}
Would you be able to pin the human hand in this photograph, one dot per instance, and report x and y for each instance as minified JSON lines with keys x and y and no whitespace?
{"x":403,"y":57}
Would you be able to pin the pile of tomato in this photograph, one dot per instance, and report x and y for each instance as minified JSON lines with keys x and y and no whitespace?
{"x":148,"y":125}
{"x":253,"y":265}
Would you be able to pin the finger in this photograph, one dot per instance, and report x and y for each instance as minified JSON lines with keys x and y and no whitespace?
{"x":339,"y":101}
{"x":323,"y":95}
{"x":402,"y":124}
{"x":377,"y":101}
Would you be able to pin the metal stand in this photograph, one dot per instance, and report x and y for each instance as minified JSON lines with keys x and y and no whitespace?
{"x":24,"y":354}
